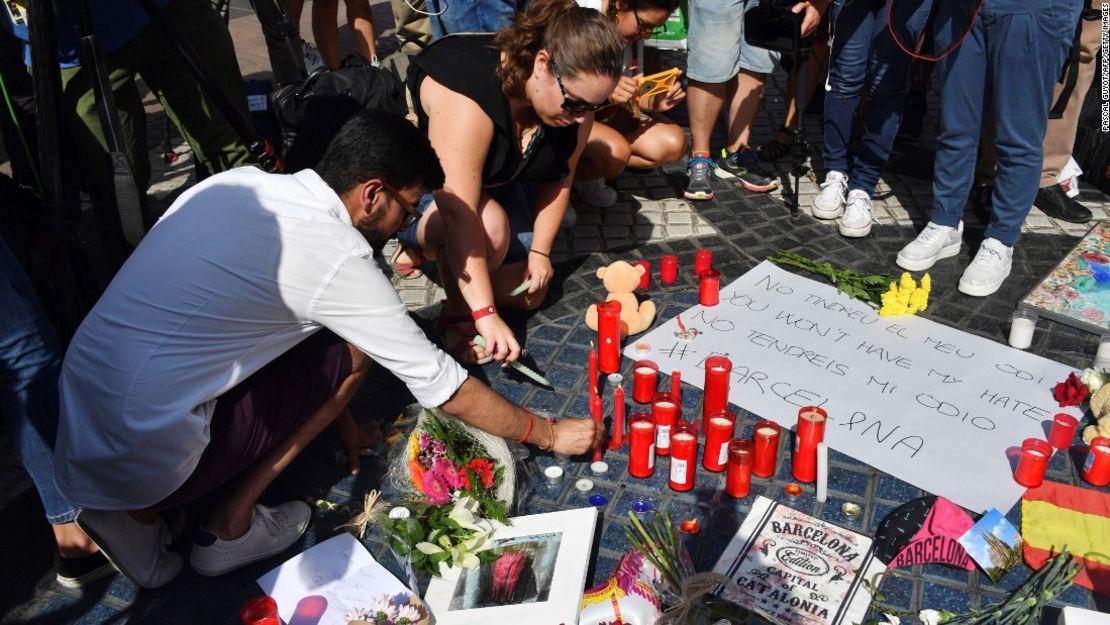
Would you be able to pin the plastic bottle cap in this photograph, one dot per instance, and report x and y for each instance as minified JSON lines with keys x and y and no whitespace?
{"x":641,"y":506}
{"x":598,"y":500}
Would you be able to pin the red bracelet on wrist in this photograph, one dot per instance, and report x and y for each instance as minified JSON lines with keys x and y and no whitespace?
{"x":483,"y":312}
{"x":528,"y":432}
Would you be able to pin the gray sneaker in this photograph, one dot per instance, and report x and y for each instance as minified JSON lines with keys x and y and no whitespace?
{"x":932,"y":244}
{"x":699,"y":170}
{"x":988,"y":270}
{"x":137,"y":550}
{"x":272,"y":531}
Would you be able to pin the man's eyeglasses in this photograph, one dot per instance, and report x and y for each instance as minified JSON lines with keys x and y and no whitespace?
{"x":411,"y":214}
{"x":572,"y":104}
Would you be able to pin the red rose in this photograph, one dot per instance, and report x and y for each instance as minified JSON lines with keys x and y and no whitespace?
{"x":1070,"y":392}
{"x":484,"y":470}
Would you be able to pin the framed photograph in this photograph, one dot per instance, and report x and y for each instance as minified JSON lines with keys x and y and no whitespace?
{"x":537,"y":578}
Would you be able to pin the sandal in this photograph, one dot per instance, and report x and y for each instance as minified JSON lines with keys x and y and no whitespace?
{"x":775,"y":149}
{"x":458,"y":332}
{"x":410,"y":270}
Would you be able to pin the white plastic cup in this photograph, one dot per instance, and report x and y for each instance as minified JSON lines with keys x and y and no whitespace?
{"x":1022,"y":325}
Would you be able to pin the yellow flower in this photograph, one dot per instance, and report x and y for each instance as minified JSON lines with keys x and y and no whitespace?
{"x":906,"y":297}
{"x":906,"y":283}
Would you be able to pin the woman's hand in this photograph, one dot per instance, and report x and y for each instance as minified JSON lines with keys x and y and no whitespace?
{"x":812,"y":18}
{"x":664,"y":102}
{"x":539,"y":271}
{"x":626,"y":89}
{"x":500,"y":341}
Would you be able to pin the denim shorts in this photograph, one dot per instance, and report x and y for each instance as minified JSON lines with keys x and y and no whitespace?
{"x":716,"y":40}
{"x":518,"y":199}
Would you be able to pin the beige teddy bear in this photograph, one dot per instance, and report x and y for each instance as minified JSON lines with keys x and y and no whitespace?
{"x":620,"y":280}
{"x":1100,"y":409}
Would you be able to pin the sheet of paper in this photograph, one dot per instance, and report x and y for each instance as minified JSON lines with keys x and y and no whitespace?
{"x":930,"y":404}
{"x":333,"y":576}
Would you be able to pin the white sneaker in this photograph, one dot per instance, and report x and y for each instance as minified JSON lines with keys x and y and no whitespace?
{"x":856,"y":221}
{"x":932,"y":244}
{"x":829,"y":203}
{"x":272,"y":531}
{"x":312,"y":59}
{"x":988,"y":270}
{"x":596,"y":193}
{"x":137,"y":550}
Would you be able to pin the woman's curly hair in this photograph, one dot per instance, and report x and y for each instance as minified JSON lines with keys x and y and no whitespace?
{"x":579,"y":40}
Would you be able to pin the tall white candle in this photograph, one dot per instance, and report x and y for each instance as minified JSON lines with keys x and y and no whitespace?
{"x":822,"y":472}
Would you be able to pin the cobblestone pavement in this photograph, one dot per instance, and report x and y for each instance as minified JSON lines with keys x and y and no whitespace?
{"x":651,"y":220}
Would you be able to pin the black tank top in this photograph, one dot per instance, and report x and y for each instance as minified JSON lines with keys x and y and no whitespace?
{"x":467,"y":64}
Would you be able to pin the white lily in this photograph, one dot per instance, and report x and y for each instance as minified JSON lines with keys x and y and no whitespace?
{"x":929,"y":617}
{"x":462,"y":515}
{"x":891,"y":619}
{"x":428,"y":548}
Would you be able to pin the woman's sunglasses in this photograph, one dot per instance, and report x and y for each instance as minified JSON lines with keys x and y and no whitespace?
{"x":572,"y":104}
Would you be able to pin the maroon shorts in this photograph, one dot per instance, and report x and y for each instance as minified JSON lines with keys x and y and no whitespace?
{"x":262,"y":410}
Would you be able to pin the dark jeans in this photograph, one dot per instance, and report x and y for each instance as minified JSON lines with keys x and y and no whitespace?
{"x":1008,"y":64}
{"x":865,"y":57}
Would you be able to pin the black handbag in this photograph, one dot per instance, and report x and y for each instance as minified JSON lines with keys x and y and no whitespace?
{"x":311,"y":114}
{"x":773,"y":26}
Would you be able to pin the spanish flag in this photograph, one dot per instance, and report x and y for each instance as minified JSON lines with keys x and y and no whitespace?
{"x":1056,"y":515}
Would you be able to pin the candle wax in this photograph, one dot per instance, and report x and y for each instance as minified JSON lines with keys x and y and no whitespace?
{"x":765,"y":431}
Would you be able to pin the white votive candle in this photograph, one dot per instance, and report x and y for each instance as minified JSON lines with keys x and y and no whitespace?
{"x":822,"y":472}
{"x":1022,"y":325}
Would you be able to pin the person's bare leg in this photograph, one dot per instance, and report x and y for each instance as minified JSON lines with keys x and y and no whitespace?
{"x":606,"y":154}
{"x":293,"y":10}
{"x":325,"y":30}
{"x":231,"y":517}
{"x":657,"y":144}
{"x":704,"y":102}
{"x":361,"y":22}
{"x":72,"y":541}
{"x":744,"y":107}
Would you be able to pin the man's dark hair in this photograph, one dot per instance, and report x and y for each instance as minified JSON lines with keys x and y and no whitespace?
{"x":380,"y":145}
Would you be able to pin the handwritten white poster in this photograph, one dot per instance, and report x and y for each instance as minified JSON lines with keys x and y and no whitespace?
{"x":794,"y":569}
{"x":924,"y":402}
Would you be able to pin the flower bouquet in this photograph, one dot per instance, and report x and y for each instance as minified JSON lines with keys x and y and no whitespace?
{"x":457,"y":480}
{"x":387,"y":610}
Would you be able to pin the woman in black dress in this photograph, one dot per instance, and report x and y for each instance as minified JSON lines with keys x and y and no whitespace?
{"x":508,"y":115}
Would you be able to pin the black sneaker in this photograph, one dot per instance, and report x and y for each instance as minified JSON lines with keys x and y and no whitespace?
{"x":1055,"y":203}
{"x":80,"y":572}
{"x":745,"y":166}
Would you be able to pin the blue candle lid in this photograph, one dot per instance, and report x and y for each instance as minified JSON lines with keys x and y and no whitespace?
{"x":598,"y":500}
{"x":641,"y":506}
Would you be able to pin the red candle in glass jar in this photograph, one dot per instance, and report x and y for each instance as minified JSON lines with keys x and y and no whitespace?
{"x":709,"y":288}
{"x":766,"y":448}
{"x":668,"y":269}
{"x":645,"y":380}
{"x":811,"y":430}
{"x":719,"y":432}
{"x":1096,"y":468}
{"x":260,"y":610}
{"x":1063,"y":430}
{"x":703,"y":261}
{"x":641,"y":445}
{"x":738,"y":483}
{"x":645,"y":278}
{"x":664,"y":412}
{"x":1033,"y":462}
{"x":684,"y":457}
{"x":609,"y":336}
{"x":718,"y":369}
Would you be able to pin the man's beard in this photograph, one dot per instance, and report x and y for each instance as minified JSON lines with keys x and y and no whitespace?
{"x":374,"y":231}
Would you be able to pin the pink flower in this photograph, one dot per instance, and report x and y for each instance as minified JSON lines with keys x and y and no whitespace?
{"x":436,"y":489}
{"x":446,"y":471}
